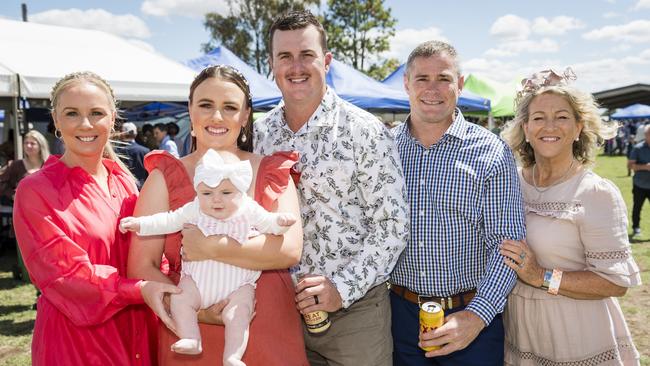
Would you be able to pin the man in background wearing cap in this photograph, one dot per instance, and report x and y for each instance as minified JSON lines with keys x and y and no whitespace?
{"x":134,"y":151}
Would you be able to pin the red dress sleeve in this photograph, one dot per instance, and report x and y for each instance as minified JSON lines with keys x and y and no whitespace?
{"x":274,"y":173}
{"x":85,"y":292}
{"x":179,"y":184}
{"x":180,"y":191}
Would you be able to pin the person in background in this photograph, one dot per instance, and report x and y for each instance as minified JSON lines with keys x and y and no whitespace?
{"x":36,"y":151}
{"x":165,"y":142}
{"x":465,"y":199}
{"x":145,"y":137}
{"x":134,"y":152}
{"x":66,"y":218}
{"x":639,"y":162}
{"x":576,"y":257}
{"x":352,"y":195}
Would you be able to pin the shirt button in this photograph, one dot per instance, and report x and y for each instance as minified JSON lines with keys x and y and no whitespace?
{"x":421,"y":243}
{"x":137,"y":355}
{"x":426,"y":152}
{"x":421,"y":212}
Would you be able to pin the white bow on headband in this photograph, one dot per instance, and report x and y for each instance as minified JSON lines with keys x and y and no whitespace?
{"x":211,"y":170}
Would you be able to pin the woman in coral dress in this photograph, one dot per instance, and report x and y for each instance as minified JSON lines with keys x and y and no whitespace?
{"x":220,"y":113}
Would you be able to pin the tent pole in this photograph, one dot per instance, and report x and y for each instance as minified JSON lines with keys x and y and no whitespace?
{"x":17,"y":112}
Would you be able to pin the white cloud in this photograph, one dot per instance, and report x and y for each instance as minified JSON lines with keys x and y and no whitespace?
{"x":405,"y":40}
{"x":611,"y":14}
{"x":642,"y":4}
{"x":513,"y":48}
{"x":637,"y":31}
{"x":188,"y":8}
{"x":556,"y":26}
{"x":511,"y":27}
{"x":127,"y":25}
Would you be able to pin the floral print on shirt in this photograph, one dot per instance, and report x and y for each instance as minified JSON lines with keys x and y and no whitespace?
{"x":352,"y":195}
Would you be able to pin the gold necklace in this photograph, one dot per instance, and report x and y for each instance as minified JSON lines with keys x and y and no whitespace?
{"x":542,"y":190}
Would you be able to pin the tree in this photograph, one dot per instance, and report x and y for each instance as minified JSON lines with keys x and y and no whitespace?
{"x":358,"y":31}
{"x":245,"y":29}
{"x":380,"y":70}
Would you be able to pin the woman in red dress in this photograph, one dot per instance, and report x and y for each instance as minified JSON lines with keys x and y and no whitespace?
{"x":221,"y":116}
{"x":66,"y":219}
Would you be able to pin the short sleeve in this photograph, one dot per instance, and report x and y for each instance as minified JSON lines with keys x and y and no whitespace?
{"x":603,"y":231}
{"x":273,"y":177}
{"x":176,"y":177}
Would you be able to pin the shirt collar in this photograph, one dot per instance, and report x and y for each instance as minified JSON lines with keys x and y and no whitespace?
{"x":322,"y":116}
{"x":458,"y":128}
{"x":60,"y":171}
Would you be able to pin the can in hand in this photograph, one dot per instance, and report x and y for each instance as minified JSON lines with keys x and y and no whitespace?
{"x":431,"y":317}
{"x":317,"y":321}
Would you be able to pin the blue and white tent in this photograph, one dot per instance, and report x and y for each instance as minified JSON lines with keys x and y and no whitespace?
{"x":633,"y":111}
{"x":266,"y":94}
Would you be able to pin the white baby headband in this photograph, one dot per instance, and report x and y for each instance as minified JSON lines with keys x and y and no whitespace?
{"x":211,"y":170}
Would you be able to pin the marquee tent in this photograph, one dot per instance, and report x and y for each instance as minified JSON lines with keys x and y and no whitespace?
{"x":266,"y":94}
{"x":362,"y":90}
{"x":633,"y":111}
{"x":41,"y":54}
{"x":466,"y":102}
{"x":502,"y":95}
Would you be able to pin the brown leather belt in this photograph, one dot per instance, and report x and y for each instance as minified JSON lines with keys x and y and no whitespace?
{"x":449,"y":302}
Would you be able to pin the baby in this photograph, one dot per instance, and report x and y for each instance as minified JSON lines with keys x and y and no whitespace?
{"x":221,"y":207}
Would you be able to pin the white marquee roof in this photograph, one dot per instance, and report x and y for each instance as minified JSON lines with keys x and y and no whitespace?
{"x":42,"y":54}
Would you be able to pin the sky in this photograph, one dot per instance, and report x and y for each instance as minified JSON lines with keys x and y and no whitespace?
{"x":606,"y":42}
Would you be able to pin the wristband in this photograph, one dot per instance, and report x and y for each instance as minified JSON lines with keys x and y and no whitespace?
{"x":548,"y":274}
{"x":556,"y":278}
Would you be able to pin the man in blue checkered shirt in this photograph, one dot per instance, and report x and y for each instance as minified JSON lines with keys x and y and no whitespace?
{"x":465,"y":199}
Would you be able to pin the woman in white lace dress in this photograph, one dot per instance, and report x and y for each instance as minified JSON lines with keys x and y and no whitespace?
{"x":576,"y":259}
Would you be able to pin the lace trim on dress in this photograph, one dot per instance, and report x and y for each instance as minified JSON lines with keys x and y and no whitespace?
{"x":623,"y":346}
{"x":618,"y":254}
{"x":559,"y":210}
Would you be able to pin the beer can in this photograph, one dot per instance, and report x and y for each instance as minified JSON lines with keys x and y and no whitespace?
{"x":431,"y":317}
{"x":317,"y":321}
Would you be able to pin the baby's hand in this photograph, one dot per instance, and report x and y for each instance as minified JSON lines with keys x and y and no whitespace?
{"x":129,"y":224}
{"x":286,"y":219}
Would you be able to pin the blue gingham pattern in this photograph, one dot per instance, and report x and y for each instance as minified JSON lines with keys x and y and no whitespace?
{"x":465,"y":199}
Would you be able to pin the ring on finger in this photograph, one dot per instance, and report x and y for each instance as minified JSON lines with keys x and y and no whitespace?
{"x":522,"y":255}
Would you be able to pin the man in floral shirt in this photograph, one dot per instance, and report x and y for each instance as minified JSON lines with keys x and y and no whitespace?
{"x":352,"y":196}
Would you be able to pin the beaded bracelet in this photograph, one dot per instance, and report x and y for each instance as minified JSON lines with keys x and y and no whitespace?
{"x":554,"y":286}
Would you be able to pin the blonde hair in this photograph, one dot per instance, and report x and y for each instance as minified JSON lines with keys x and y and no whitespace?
{"x":43,"y":146}
{"x":94,"y":79}
{"x":594,"y":130}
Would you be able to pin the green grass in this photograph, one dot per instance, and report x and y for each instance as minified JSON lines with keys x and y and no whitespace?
{"x":16,"y":315}
{"x":635,"y":302}
{"x":17,"y":298}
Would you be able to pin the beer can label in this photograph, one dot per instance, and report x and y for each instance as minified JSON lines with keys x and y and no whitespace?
{"x":317,"y":321}
{"x":431,"y":317}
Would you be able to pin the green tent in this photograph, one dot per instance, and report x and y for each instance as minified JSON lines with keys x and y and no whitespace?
{"x":501,"y":95}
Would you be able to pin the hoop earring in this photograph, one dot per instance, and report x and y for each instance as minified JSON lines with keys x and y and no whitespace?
{"x":58,"y":134}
